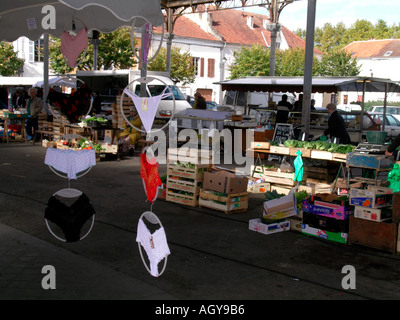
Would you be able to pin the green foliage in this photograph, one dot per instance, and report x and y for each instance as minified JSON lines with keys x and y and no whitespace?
{"x":331,"y":37}
{"x":337,"y":63}
{"x":182,"y":69}
{"x":254,"y":61}
{"x":114,"y":51}
{"x":9,"y":62}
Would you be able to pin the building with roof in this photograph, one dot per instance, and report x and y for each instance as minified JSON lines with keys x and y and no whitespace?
{"x":212,"y":37}
{"x":378,"y":58}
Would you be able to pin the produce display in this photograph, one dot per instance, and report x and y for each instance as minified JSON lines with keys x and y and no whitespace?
{"x":320,"y":145}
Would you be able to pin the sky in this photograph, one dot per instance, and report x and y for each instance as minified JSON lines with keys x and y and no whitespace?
{"x":294,"y":15}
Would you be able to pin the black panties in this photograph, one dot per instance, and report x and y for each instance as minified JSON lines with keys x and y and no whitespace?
{"x":70,"y":219}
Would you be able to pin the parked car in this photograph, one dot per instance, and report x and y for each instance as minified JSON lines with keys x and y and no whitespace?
{"x":392,"y":124}
{"x":211,"y":105}
{"x":389,"y":110}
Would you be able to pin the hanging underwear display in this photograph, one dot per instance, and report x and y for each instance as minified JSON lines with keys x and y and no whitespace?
{"x":147,"y":107}
{"x":155,"y":245}
{"x":72,"y":46}
{"x":72,"y":106}
{"x":70,"y":219}
{"x":150,"y":176}
{"x":70,"y":162}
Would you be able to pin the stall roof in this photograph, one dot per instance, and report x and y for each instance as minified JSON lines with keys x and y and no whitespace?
{"x":319,"y":84}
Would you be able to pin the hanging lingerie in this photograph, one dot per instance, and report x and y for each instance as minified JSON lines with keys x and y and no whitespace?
{"x":72,"y":46}
{"x":150,"y":176}
{"x":147,"y":107}
{"x":70,"y":219}
{"x":70,"y":162}
{"x":155,"y":245}
{"x":72,"y":106}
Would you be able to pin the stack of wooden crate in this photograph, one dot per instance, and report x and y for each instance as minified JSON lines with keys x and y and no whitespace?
{"x":224,"y":191}
{"x":185,"y":173}
{"x":118,"y":119}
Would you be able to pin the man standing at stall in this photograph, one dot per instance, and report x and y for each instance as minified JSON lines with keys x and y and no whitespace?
{"x":336,"y":125}
{"x":33,"y":106}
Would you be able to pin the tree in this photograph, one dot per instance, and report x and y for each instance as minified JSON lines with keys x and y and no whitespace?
{"x":253,"y":61}
{"x":291,"y":62}
{"x":182,"y":69}
{"x":338,"y":63}
{"x":9,"y":62}
{"x":114,"y":52}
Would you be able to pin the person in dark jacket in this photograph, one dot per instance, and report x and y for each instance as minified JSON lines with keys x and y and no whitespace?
{"x":336,"y":126}
{"x":393,"y":146}
{"x":199,"y":102}
{"x":283,"y":108}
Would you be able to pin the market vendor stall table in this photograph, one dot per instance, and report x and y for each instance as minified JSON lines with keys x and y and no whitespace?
{"x":7,"y":121}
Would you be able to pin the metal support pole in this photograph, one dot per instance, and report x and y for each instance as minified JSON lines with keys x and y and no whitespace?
{"x":45,"y":70}
{"x":309,"y":55}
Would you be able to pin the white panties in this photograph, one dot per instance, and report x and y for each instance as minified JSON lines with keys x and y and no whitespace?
{"x":69,"y":161}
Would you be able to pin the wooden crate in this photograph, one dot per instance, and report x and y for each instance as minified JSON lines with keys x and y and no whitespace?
{"x":195,"y":173}
{"x":187,"y":185}
{"x":189,"y":155}
{"x":396,"y":207}
{"x":339,"y":157}
{"x":279,"y":150}
{"x":306,"y":153}
{"x":228,"y":203}
{"x":282,"y":178}
{"x":322,"y":155}
{"x":323,"y":174}
{"x":378,"y":235}
{"x":260,"y":145}
{"x":189,"y":200}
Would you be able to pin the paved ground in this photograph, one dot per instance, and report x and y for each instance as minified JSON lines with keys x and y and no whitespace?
{"x":213,"y":255}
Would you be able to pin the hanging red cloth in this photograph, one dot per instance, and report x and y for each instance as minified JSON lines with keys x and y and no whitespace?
{"x":150,"y":176}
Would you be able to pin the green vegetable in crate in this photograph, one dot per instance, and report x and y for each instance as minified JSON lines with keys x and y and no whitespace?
{"x":270,"y":195}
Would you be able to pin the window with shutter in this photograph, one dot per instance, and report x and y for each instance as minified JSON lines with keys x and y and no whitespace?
{"x":211,"y":68}
{"x":202,"y":67}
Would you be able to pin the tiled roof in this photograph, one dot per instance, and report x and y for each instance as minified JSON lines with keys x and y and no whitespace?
{"x":374,"y":48}
{"x":233,"y":27}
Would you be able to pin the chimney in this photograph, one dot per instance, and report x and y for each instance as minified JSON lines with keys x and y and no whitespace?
{"x":250,"y":22}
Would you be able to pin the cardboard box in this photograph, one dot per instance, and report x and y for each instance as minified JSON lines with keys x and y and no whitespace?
{"x":328,"y":208}
{"x":256,"y":186}
{"x":257,"y":225}
{"x":280,"y":208}
{"x":224,"y":181}
{"x":373,"y":214}
{"x":373,"y":197}
{"x":339,"y":237}
{"x":325,"y":223}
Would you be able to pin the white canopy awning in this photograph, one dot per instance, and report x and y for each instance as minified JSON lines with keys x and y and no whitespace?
{"x":319,"y":84}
